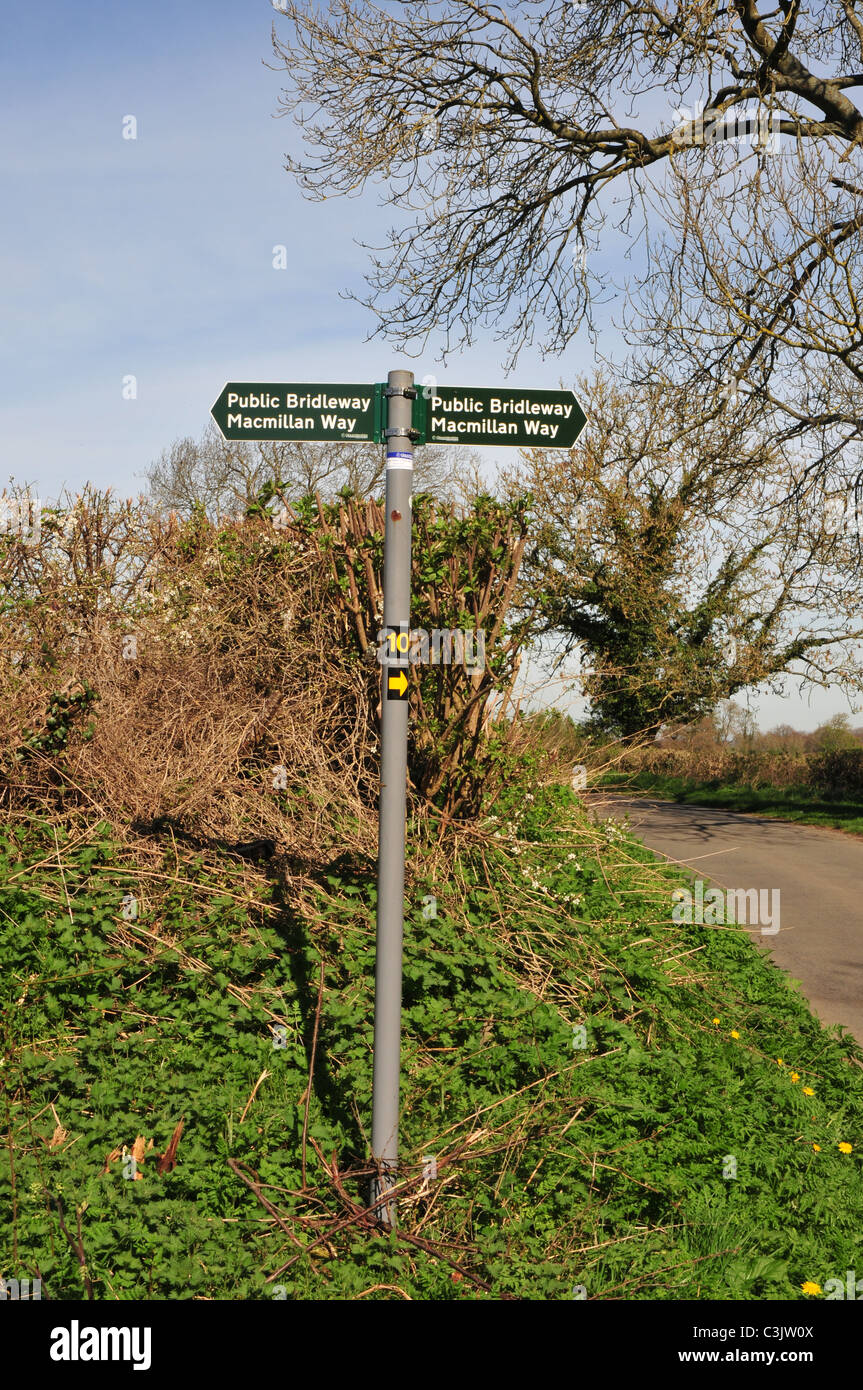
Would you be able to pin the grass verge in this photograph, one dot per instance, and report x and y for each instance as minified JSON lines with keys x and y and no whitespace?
{"x":800,"y":804}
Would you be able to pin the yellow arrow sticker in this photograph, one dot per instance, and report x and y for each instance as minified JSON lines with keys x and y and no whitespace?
{"x":397,"y":686}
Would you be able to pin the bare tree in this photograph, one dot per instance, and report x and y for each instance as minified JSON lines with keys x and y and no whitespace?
{"x":226,"y":476}
{"x":515,"y":133}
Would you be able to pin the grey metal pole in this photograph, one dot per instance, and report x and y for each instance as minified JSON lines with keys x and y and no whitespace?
{"x":393,"y":795}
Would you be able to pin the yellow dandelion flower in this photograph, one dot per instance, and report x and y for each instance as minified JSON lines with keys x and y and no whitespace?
{"x":734,"y":1033}
{"x":817,"y":1148}
{"x":845,"y":1148}
{"x":795,"y":1076}
{"x":780,"y":1062}
{"x":808,"y":1091}
{"x":809,"y":1287}
{"x":716,"y":1020}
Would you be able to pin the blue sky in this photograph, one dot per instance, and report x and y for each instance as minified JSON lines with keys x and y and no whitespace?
{"x":153,"y":257}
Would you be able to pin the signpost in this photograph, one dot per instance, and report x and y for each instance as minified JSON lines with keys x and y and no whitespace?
{"x":400,"y":395}
{"x":257,"y":410}
{"x":441,"y":414}
{"x":400,"y":415}
{"x":498,"y":415}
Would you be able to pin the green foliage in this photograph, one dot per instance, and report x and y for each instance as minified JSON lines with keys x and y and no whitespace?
{"x":123,"y":1040}
{"x":62,"y":714}
{"x":559,"y":1163}
{"x":662,"y":551}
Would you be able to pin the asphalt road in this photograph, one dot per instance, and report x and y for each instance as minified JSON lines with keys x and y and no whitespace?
{"x":818,"y":872}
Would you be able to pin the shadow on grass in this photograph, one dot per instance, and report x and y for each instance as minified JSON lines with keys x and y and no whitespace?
{"x":304,"y":964}
{"x":303,"y":957}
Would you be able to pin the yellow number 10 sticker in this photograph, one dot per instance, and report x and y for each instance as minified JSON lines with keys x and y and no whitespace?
{"x":398,"y":642}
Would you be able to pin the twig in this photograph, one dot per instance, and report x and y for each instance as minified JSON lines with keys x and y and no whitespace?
{"x":359,"y":1215}
{"x":63,"y":876}
{"x":307,"y":1097}
{"x":394,"y":1288}
{"x":318,"y":1240}
{"x":714,"y":1255}
{"x":73,"y":844}
{"x":14,"y":1185}
{"x":265,"y":1202}
{"x":77,"y":1246}
{"x":369,"y":1220}
{"x":263,"y":1076}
